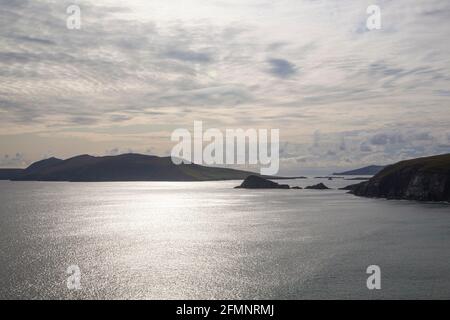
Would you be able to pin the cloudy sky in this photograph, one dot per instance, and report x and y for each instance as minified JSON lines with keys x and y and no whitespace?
{"x":341,"y":95}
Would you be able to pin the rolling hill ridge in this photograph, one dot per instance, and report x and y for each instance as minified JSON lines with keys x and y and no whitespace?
{"x":125,"y":167}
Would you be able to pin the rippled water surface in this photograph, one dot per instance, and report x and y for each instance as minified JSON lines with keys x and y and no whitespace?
{"x":206,"y":240}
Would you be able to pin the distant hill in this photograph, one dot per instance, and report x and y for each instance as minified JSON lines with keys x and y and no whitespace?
{"x":42,"y":165}
{"x":423,"y":179}
{"x":370,"y":170}
{"x":125,"y":167}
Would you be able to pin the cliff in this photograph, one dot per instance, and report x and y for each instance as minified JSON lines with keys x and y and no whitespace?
{"x":422,"y":179}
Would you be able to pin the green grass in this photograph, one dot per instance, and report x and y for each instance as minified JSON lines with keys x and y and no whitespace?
{"x":433,"y":164}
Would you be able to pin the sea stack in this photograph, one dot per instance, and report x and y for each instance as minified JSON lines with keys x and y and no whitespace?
{"x":257,"y":182}
{"x":319,"y":186}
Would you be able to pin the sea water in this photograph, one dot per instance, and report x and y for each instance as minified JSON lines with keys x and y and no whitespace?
{"x":206,"y":240}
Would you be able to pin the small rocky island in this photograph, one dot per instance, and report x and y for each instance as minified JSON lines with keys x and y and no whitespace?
{"x":319,"y":186}
{"x":257,"y":182}
{"x":422,"y":179}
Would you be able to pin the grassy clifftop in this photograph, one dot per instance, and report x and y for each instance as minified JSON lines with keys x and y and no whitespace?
{"x":434,"y":164}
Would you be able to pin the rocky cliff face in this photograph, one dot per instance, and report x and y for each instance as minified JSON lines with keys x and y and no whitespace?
{"x":423,"y":179}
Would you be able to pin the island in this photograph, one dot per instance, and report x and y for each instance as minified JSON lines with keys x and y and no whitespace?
{"x":257,"y":182}
{"x":124,"y":167}
{"x":319,"y":186}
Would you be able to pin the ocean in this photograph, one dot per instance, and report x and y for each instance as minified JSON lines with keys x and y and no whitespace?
{"x":206,"y":240}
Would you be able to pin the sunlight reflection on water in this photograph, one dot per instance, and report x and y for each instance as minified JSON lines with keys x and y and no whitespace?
{"x":166,"y":240}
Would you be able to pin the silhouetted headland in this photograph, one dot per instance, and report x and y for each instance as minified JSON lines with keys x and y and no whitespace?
{"x":422,"y":179}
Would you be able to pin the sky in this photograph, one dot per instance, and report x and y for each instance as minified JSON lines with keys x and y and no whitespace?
{"x":341,"y":95}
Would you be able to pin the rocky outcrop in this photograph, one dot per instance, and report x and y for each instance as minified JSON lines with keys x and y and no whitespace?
{"x":319,"y":186}
{"x":423,"y":179}
{"x":257,"y":182}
